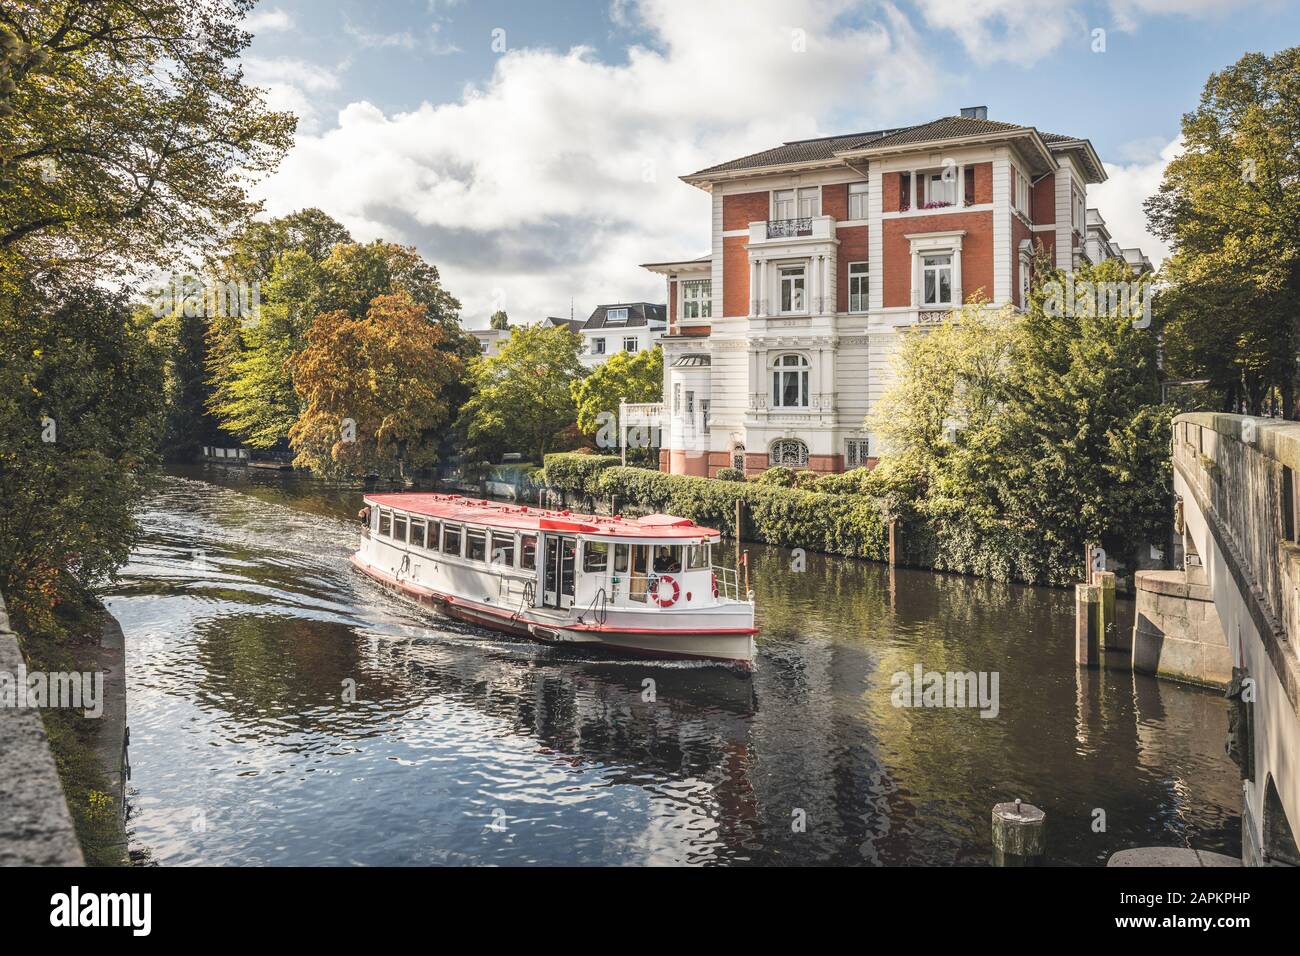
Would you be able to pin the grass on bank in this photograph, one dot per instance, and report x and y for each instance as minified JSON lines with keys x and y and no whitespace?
{"x":65,"y":645}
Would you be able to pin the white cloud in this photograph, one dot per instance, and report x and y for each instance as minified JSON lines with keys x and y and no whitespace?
{"x":1024,"y":31}
{"x":268,"y":21}
{"x":559,"y":175}
{"x":292,"y":84}
{"x":1120,"y":198}
{"x":431,"y":41}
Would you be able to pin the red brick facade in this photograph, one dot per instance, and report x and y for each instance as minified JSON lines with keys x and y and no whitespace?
{"x":735,"y":275}
{"x":976,"y":253}
{"x":740,"y":210}
{"x":853,"y":248}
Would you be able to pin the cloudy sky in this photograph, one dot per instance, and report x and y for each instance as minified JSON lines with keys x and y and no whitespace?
{"x":531,"y":149}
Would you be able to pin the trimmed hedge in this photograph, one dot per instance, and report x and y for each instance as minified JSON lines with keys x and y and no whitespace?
{"x":577,"y":473}
{"x":788,"y":517}
{"x":837,"y":518}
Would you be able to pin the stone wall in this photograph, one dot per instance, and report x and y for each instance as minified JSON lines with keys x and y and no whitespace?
{"x":35,"y":826}
{"x":1176,"y":630}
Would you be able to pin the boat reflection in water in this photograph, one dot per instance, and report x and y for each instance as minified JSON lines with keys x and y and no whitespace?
{"x":286,"y":710}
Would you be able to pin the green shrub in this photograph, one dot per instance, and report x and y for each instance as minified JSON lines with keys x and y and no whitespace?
{"x":807,"y":480}
{"x":576,"y":473}
{"x":787,"y":517}
{"x":845,"y":483}
{"x":730,"y":474}
{"x":777,"y":475}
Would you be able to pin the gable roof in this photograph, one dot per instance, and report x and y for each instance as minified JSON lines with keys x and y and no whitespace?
{"x":827,"y":150}
{"x":639,"y":315}
{"x":573,"y":325}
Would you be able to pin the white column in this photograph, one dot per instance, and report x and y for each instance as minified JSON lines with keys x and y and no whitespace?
{"x":814,"y":283}
{"x":916,"y":278}
{"x":956,"y":275}
{"x":911,"y":189}
{"x":763,"y":308}
{"x":753,"y":289}
{"x":961,"y":185}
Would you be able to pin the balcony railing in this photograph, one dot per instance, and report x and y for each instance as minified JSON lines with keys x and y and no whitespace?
{"x":789,"y":228}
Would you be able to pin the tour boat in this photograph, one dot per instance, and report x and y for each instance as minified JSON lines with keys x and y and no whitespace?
{"x":643,"y":585}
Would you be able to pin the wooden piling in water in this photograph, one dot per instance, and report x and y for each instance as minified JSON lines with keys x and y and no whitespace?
{"x":1019,"y":834}
{"x":1104,"y":581}
{"x":1087,"y":620}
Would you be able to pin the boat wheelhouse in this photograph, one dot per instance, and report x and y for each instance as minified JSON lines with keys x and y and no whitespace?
{"x":646,"y":585}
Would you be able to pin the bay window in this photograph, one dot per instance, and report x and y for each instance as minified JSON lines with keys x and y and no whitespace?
{"x":790,"y":381}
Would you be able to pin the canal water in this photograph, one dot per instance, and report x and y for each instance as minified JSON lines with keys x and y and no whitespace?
{"x":284,"y":710}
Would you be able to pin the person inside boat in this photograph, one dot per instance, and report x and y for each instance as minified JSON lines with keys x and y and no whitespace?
{"x":364,"y":515}
{"x":668,"y":560}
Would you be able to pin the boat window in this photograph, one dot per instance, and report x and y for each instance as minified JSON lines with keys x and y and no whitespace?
{"x":435,"y":529}
{"x":568,"y":558}
{"x":528,"y":552}
{"x":621,"y":557}
{"x":697,"y":556}
{"x":668,"y":559}
{"x":595,"y":556}
{"x":477,"y":545}
{"x":374,"y":519}
{"x":637,"y":584}
{"x":386,"y":524}
{"x":503,"y":548}
{"x":417,"y":532}
{"x":399,"y":527}
{"x":451,"y":539}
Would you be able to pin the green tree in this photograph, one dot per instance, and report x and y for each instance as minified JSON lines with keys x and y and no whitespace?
{"x":1082,"y":446}
{"x":1229,"y":207}
{"x":625,"y":376}
{"x":522,"y":397}
{"x":499,"y":321}
{"x":373,"y":390}
{"x":127,"y":133}
{"x":79,"y":422}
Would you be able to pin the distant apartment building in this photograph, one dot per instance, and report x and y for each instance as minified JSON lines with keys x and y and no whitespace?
{"x":490,"y":341}
{"x":779,"y":342}
{"x":621,"y":327}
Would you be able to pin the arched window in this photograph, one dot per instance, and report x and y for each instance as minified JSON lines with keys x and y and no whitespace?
{"x":738,"y":458}
{"x":790,"y":381}
{"x":790,"y":452}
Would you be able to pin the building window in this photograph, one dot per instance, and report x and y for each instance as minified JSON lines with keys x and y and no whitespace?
{"x":789,"y":452}
{"x":904,"y":191}
{"x":859,"y":278}
{"x":792,"y":288}
{"x":858,"y":200}
{"x":940,"y":189}
{"x":629,"y":345}
{"x":936,"y":279}
{"x":616,"y":315}
{"x":1021,"y":191}
{"x":690,"y":402}
{"x":482,"y":346}
{"x":790,"y":381}
{"x":677,"y":396}
{"x":968,"y":186}
{"x":855,"y":453}
{"x":697,"y":299}
{"x":738,"y":458}
{"x":796,"y":203}
{"x":1024,"y":282}
{"x":704,"y":411}
{"x":598,"y":346}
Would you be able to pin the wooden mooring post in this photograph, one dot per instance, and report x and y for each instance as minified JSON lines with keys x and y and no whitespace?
{"x":1019,"y":834}
{"x":893,"y":551}
{"x":1087,"y":625}
{"x":1104,"y":581}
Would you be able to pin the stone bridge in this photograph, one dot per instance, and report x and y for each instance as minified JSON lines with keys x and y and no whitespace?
{"x":1237,"y":517}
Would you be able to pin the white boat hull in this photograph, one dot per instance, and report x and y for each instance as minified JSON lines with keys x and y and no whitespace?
{"x":724,"y":632}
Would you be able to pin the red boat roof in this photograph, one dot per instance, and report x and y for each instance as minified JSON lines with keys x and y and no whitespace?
{"x":500,"y":514}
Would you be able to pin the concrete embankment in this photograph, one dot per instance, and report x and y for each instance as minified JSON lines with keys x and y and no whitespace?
{"x":35,"y":827}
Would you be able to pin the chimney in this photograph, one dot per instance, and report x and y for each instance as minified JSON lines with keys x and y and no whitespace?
{"x":975,"y":112}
